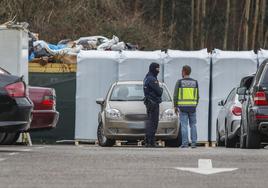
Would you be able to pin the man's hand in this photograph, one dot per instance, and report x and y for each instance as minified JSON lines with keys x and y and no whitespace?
{"x":176,"y":110}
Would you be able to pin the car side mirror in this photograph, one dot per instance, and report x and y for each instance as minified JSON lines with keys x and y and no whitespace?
{"x":221,"y":103}
{"x":241,"y":91}
{"x":100,"y":101}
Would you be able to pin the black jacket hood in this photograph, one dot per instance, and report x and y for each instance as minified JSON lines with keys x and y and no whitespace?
{"x":152,"y":69}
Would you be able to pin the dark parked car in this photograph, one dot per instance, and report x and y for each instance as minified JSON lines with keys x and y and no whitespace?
{"x":228,"y":120}
{"x":254,"y":120}
{"x":15,"y":105}
{"x":45,"y":115}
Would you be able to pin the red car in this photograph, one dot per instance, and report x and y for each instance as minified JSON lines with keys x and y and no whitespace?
{"x":44,"y":114}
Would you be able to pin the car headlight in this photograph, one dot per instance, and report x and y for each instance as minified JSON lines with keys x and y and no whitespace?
{"x":113,"y":114}
{"x":169,"y":114}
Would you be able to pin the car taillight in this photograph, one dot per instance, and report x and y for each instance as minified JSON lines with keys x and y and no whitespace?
{"x":16,"y":89}
{"x":260,"y":98}
{"x":236,"y":111}
{"x":48,"y":101}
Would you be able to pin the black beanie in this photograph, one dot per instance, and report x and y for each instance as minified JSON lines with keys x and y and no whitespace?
{"x":153,"y":67}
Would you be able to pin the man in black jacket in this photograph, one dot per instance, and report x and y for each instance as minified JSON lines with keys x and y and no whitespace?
{"x":153,"y":97}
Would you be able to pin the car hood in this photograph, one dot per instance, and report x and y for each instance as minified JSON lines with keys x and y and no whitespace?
{"x":135,"y":107}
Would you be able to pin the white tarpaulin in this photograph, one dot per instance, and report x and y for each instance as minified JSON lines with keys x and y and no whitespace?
{"x":200,"y":64}
{"x":134,"y":65}
{"x":14,"y":51}
{"x":228,"y":69}
{"x":262,"y":55}
{"x":96,"y":71}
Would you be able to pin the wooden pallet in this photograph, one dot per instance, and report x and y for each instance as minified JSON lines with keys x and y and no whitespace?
{"x":25,"y":138}
{"x":204,"y":144}
{"x":213,"y":144}
{"x":139,"y":143}
{"x":76,"y":142}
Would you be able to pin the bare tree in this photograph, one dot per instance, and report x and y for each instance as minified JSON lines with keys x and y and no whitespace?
{"x":192,"y":26}
{"x":173,"y":23}
{"x":255,"y":23}
{"x":136,"y":5}
{"x":245,"y":24}
{"x":226,"y":29}
{"x":233,"y":24}
{"x":202,"y":24}
{"x":261,"y":23}
{"x":197,"y":23}
{"x":227,"y":24}
{"x":161,"y":22}
{"x":240,"y":28}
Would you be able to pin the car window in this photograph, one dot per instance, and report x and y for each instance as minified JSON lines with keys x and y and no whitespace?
{"x":231,"y":96}
{"x":247,"y":81}
{"x":165,"y":97}
{"x":264,"y":77}
{"x":133,"y":92}
{"x":258,"y":74}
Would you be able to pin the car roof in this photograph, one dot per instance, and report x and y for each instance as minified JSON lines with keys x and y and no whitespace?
{"x":131,"y":82}
{"x":3,"y":71}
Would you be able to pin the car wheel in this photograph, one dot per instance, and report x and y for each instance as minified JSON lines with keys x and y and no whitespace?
{"x":102,"y":139}
{"x":229,"y":143}
{"x":242,"y":136}
{"x":174,"y":142}
{"x":253,"y":140}
{"x":218,"y":138}
{"x":11,"y":138}
{"x":2,"y":136}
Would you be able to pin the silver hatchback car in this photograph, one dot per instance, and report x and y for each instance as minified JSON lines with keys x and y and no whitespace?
{"x":123,"y":115}
{"x":228,"y":120}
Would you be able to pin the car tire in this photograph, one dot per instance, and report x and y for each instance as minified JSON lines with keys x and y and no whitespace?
{"x":175,"y":142}
{"x":10,"y":138}
{"x":219,"y":143}
{"x":229,"y":143}
{"x":253,"y":140}
{"x":242,"y":136}
{"x":2,"y":136}
{"x":102,"y":139}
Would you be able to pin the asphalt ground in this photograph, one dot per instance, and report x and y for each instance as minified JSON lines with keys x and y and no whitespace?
{"x":92,"y":166}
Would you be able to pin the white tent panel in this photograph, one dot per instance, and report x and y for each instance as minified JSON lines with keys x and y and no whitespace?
{"x":200,"y":64}
{"x":228,"y":69}
{"x":14,"y":51}
{"x":96,"y":71}
{"x":134,"y":65}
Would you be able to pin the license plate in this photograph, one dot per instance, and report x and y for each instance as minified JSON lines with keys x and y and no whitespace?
{"x":136,"y":125}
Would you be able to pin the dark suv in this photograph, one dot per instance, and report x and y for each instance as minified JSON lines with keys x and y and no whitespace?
{"x":254,"y":120}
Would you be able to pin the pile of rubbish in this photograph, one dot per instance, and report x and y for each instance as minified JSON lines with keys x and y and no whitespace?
{"x":66,"y":50}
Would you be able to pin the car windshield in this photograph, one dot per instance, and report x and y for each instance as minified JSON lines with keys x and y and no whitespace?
{"x":264,"y":77}
{"x":2,"y":71}
{"x":133,"y":92}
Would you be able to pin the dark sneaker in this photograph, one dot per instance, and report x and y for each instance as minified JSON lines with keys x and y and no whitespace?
{"x":147,"y":145}
{"x":193,"y":146}
{"x":182,"y":146}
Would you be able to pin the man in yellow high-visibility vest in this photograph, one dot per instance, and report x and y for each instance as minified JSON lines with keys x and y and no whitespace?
{"x":186,"y":98}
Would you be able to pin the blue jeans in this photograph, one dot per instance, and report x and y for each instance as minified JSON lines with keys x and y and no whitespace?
{"x":186,"y":117}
